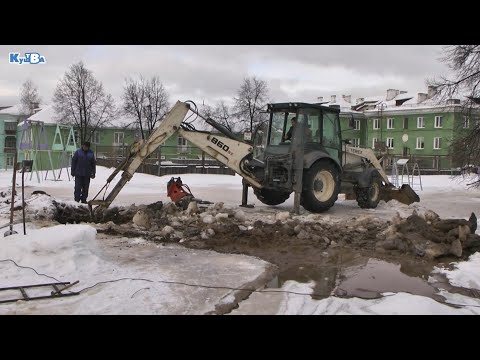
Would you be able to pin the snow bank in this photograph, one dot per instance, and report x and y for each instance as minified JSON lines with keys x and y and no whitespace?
{"x":58,"y":250}
{"x":466,"y":273}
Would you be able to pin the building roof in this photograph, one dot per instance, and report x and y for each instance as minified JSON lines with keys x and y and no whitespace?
{"x":345,"y":106}
{"x":12,"y":110}
{"x":49,"y":116}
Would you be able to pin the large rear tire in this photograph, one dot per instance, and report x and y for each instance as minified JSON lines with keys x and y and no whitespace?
{"x":271,"y":197}
{"x":321,"y":185}
{"x":369,"y":197}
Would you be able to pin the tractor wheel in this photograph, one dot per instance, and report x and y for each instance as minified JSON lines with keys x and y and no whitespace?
{"x":271,"y":197}
{"x":321,"y":185}
{"x":369,"y":197}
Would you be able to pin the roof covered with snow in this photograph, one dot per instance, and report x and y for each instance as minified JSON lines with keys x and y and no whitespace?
{"x":49,"y":116}
{"x":345,"y":106}
{"x":12,"y":110}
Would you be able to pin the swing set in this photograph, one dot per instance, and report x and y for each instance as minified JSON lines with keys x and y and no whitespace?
{"x":34,"y":144}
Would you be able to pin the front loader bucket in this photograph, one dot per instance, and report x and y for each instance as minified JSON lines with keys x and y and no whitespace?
{"x":405,"y":195}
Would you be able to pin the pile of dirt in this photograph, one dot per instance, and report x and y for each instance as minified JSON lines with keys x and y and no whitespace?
{"x":284,"y":237}
{"x":430,"y":236}
{"x":66,"y":213}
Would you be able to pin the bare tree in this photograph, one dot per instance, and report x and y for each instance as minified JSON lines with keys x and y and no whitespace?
{"x":29,"y":98}
{"x":222,"y":113}
{"x":250,"y":100}
{"x":147,"y":101}
{"x":134,"y":101}
{"x":81,"y":101}
{"x":464,"y":61}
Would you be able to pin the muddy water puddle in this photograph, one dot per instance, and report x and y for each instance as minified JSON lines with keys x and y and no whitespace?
{"x":362,"y":277}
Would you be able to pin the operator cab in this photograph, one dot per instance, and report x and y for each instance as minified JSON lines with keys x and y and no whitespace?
{"x":321,"y":126}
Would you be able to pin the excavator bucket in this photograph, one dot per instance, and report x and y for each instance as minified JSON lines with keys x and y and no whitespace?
{"x":405,"y":195}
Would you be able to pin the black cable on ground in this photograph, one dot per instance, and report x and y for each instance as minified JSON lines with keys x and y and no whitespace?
{"x":197,"y":285}
{"x":28,"y":267}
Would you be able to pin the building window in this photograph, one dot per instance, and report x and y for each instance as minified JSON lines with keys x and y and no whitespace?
{"x":389,"y":143}
{"x":10,"y":142}
{"x":76,"y":134}
{"x":420,"y":143}
{"x":438,"y":122}
{"x":181,"y":141}
{"x":10,"y":126}
{"x":405,"y":123}
{"x":374,"y":141}
{"x":390,"y":123}
{"x":420,"y":123}
{"x":96,"y":137}
{"x":466,"y":122}
{"x":9,"y":161}
{"x":118,"y":137}
{"x":357,"y":124}
{"x":182,"y":145}
{"x":356,"y":142}
{"x":437,"y":143}
{"x":376,"y":124}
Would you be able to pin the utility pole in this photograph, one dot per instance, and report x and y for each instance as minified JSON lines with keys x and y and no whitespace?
{"x":382,"y":108}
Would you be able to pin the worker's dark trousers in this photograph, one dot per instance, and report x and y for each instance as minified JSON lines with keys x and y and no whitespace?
{"x":81,"y":187}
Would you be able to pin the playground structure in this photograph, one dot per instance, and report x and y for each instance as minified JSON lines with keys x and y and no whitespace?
{"x":400,"y":169}
{"x":34,"y":146}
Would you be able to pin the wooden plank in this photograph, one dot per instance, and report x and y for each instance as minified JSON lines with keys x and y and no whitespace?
{"x":39,"y":298}
{"x":32,"y":286}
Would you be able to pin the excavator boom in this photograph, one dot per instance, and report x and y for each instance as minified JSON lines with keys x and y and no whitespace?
{"x":228,"y":151}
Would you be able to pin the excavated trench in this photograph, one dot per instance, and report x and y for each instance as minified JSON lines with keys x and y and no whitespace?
{"x":304,"y":248}
{"x":286,"y":240}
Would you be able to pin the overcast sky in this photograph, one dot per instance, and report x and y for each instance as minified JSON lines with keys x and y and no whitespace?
{"x":211,"y":73}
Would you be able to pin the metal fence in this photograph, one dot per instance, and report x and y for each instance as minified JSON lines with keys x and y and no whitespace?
{"x":429,"y":164}
{"x":190,"y":160}
{"x":166,"y":160}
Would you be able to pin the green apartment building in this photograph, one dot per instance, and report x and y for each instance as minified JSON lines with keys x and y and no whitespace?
{"x":405,"y":125}
{"x":9,"y":117}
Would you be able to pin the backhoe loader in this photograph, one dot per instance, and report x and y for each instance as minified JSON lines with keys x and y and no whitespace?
{"x":314,"y":163}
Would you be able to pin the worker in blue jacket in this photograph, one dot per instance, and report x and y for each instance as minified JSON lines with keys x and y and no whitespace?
{"x":83,"y":169}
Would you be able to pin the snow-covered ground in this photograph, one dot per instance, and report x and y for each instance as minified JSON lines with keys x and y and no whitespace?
{"x":447,"y":196}
{"x":74,"y":252}
{"x":70,"y":253}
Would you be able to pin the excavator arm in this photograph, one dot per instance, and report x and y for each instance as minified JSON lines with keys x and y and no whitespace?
{"x":369,"y":155}
{"x":405,"y":194}
{"x":228,"y":151}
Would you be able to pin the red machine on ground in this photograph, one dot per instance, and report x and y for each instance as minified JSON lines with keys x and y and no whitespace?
{"x":180,"y":193}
